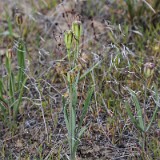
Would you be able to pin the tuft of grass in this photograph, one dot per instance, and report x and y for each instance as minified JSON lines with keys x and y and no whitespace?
{"x":118,"y":50}
{"x":140,"y":121}
{"x":12,"y":85}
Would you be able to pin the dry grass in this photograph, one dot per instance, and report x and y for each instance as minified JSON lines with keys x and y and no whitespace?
{"x":121,"y":45}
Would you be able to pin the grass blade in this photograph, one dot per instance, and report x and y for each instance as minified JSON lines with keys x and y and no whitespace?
{"x":21,"y":63}
{"x":85,"y":108}
{"x":1,"y":88}
{"x":156,"y":109}
{"x":16,"y":108}
{"x":139,"y":110}
{"x":89,"y":70}
{"x":133,"y":120}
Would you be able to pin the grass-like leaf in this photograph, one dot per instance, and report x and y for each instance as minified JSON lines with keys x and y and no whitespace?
{"x":138,"y":108}
{"x":66,"y":115}
{"x":133,"y":119}
{"x":157,"y":98}
{"x":88,"y":71}
{"x":85,"y":107}
{"x":1,"y":88}
{"x":21,"y":63}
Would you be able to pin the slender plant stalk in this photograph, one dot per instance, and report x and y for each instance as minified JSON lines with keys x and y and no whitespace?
{"x":141,"y":123}
{"x":75,"y":131}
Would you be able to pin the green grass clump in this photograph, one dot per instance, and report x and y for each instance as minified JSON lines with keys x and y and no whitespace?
{"x":100,"y":87}
{"x":12,"y":85}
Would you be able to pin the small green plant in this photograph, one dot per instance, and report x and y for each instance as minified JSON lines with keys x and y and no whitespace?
{"x":12,"y":85}
{"x":131,"y":6}
{"x":140,"y":122}
{"x":75,"y":130}
{"x":137,"y":9}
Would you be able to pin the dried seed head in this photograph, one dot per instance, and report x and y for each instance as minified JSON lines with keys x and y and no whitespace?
{"x":19,"y":18}
{"x":149,"y":69}
{"x":68,"y":39}
{"x":77,"y":29}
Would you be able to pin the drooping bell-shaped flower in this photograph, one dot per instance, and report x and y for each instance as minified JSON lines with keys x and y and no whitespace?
{"x":77,"y":29}
{"x":149,"y":69}
{"x":68,"y":39}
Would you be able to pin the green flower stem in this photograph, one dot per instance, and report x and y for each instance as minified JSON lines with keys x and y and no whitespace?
{"x":70,"y":120}
{"x":69,"y":55}
{"x":77,"y":49}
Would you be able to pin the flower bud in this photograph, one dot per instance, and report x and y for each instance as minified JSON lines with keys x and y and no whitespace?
{"x":149,"y":69}
{"x":68,"y":39}
{"x":77,"y":29}
{"x":9,"y":53}
{"x":19,"y":18}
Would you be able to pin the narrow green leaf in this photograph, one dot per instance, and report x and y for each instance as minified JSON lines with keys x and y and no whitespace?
{"x":73,"y":125}
{"x":11,"y":83}
{"x":74,"y":95}
{"x":81,"y":132}
{"x":3,"y":104}
{"x":133,"y":120}
{"x":85,"y":107}
{"x":66,"y":116}
{"x":78,"y":138}
{"x":1,"y":88}
{"x":153,"y":117}
{"x":12,"y":88}
{"x":21,"y":63}
{"x":156,"y":109}
{"x":19,"y":100}
{"x":77,"y":78}
{"x":130,"y":113}
{"x":139,"y":110}
{"x":89,"y":70}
